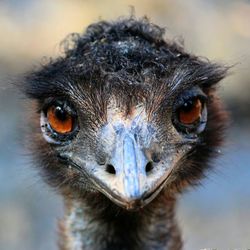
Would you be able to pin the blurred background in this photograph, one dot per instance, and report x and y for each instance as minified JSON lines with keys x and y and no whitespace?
{"x":215,"y":215}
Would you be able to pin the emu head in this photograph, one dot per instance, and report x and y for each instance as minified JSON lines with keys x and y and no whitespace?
{"x":126,"y":114}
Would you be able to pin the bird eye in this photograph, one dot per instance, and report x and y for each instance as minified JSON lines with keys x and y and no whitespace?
{"x":190,"y":112}
{"x":60,"y":119}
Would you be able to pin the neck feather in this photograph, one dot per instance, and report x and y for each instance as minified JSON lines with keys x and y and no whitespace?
{"x":96,"y":223}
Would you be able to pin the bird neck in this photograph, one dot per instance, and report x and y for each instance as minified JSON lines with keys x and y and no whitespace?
{"x":96,"y":223}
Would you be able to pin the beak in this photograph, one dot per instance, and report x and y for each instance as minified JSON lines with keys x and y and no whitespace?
{"x":129,"y":163}
{"x":130,"y":179}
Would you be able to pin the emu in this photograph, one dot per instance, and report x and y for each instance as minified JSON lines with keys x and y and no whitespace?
{"x":123,"y":122}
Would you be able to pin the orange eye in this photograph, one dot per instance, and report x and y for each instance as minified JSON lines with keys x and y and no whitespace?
{"x":190,"y":112}
{"x":59,"y":119}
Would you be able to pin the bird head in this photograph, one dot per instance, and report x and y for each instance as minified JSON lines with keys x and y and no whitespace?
{"x":125,"y":113}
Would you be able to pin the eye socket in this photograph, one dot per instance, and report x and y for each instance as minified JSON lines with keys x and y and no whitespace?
{"x":60,"y":119}
{"x":191,"y":111}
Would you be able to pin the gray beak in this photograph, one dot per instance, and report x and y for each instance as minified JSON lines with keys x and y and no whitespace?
{"x":130,"y":166}
{"x":131,"y":179}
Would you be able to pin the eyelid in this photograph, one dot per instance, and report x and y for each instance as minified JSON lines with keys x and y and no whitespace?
{"x":52,"y":101}
{"x":190,"y":94}
{"x":44,"y":104}
{"x":202,"y":98}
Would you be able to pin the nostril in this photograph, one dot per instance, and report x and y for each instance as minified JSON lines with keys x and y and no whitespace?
{"x":149,"y":166}
{"x":110,"y":169}
{"x":156,"y":158}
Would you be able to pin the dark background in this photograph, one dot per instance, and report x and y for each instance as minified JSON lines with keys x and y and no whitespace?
{"x":215,"y":215}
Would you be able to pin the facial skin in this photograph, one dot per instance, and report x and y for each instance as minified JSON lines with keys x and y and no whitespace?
{"x":126,"y":116}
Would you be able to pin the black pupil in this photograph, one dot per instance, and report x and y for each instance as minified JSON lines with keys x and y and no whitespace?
{"x":188,"y":105}
{"x":61,"y":114}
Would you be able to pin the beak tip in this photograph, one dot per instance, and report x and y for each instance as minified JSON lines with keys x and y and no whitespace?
{"x":133,"y":205}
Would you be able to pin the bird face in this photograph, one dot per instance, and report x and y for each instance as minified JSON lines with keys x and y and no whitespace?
{"x":126,"y":114}
{"x":128,"y":146}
